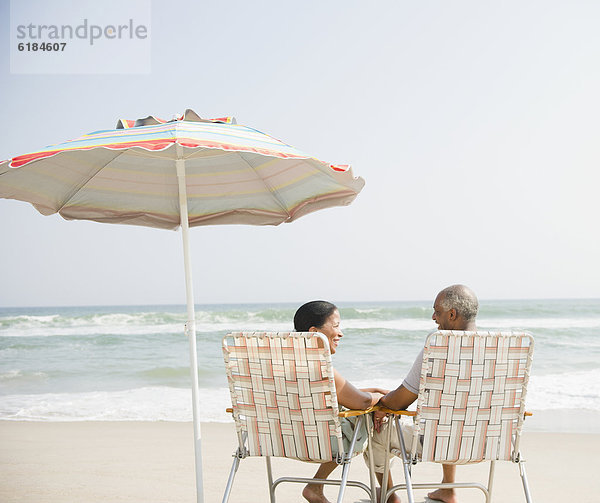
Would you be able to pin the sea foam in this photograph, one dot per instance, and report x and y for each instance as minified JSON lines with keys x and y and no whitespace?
{"x":142,"y":404}
{"x":578,"y":390}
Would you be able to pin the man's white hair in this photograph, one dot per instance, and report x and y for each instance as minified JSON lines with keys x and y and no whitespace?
{"x":461,"y":298}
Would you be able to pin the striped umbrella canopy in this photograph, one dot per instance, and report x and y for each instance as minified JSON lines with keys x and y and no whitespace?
{"x":185,"y":172}
{"x":234,"y":175}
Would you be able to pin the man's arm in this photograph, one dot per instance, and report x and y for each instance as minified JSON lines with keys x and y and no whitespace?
{"x":399,"y":399}
{"x":402,"y":396}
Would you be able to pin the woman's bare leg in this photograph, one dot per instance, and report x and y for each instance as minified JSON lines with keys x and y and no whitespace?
{"x":313,"y":493}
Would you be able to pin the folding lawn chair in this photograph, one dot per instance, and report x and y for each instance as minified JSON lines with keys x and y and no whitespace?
{"x":471,"y":405}
{"x":285,"y":404}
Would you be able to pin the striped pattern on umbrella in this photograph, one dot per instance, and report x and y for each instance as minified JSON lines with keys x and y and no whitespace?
{"x":283,"y":394}
{"x":472,"y":395}
{"x":160,"y":137}
{"x":234,"y":175}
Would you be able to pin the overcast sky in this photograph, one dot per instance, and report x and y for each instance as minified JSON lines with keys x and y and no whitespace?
{"x":474,"y":124}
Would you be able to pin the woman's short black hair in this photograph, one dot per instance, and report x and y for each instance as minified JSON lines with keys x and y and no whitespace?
{"x":313,"y":314}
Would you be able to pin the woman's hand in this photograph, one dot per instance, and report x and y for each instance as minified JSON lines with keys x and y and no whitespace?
{"x":376,"y":397}
{"x":352,"y":397}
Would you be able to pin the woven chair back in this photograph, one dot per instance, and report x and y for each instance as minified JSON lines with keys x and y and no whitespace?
{"x":283,"y":394}
{"x":471,"y":401}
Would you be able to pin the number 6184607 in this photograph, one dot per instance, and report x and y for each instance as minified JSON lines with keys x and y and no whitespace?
{"x":44,"y":46}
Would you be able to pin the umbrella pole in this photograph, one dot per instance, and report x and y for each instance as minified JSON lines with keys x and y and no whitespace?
{"x":190,"y":329}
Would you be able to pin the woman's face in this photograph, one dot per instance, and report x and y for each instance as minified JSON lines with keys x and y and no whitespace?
{"x":331,"y":329}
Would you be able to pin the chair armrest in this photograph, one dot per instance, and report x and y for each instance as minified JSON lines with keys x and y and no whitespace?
{"x":355,"y":412}
{"x":381,"y":408}
{"x":351,"y":413}
{"x":412,"y":412}
{"x":344,"y":413}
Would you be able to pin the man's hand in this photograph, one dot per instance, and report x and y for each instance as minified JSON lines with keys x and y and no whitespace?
{"x":378,"y":419}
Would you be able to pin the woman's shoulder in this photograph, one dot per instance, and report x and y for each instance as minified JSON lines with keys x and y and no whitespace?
{"x":338,"y":379}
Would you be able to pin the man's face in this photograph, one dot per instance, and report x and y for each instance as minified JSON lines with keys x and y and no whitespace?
{"x":444,"y":318}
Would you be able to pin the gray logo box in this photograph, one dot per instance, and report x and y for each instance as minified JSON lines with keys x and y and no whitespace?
{"x":83,"y":37}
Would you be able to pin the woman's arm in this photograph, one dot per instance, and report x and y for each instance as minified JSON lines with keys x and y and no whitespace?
{"x":351,"y":397}
{"x":376,"y":390}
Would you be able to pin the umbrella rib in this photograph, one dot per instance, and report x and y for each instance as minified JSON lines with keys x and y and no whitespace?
{"x":86,"y":181}
{"x":272,"y":192}
{"x":151,"y":154}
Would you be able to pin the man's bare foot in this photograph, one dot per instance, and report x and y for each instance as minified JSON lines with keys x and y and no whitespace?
{"x":313,"y":493}
{"x":445,"y":495}
{"x":393,"y":498}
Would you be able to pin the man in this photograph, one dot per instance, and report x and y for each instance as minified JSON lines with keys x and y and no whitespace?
{"x":455,"y":308}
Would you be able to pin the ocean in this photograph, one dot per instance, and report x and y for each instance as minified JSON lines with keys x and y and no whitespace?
{"x":122,"y":363}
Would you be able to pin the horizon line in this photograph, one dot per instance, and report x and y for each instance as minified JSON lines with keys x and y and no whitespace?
{"x":254,"y":303}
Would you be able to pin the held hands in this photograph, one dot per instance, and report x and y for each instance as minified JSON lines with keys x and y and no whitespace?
{"x":376,"y":396}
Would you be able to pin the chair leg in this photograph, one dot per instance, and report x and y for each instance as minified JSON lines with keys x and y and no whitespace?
{"x":386,"y":467}
{"x":347,"y":459}
{"x":525,"y":482}
{"x":234,"y":468}
{"x":405,"y":463}
{"x":372,"y":478}
{"x":488,"y":496}
{"x":270,"y":479}
{"x":344,"y":481}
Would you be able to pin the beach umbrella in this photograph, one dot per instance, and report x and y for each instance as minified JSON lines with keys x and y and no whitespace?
{"x":184,"y":172}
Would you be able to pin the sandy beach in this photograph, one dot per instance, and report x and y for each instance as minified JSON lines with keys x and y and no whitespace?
{"x":74,"y":462}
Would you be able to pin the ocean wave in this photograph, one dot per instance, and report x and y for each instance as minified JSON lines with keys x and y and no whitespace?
{"x":18,"y":374}
{"x":139,"y":323}
{"x":142,"y":404}
{"x":111,"y":323}
{"x":386,"y":313}
{"x":542,"y":307}
{"x":243,"y":318}
{"x":165,"y":373}
{"x":576,"y":390}
{"x":572,"y":390}
{"x":224,"y":326}
{"x":546,"y":323}
{"x":84,"y":330}
{"x":12,"y":377}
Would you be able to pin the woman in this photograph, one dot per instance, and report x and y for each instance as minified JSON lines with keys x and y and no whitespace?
{"x":324,"y":317}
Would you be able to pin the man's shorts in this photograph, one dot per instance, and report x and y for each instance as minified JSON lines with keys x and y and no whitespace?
{"x":378,"y":446}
